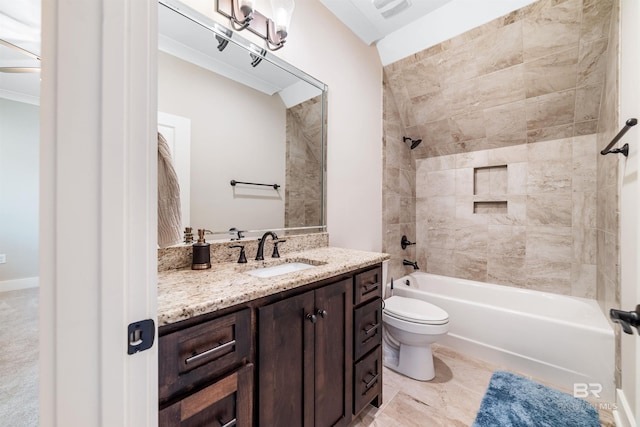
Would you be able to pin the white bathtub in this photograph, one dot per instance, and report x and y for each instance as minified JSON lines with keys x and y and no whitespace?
{"x":559,"y":339}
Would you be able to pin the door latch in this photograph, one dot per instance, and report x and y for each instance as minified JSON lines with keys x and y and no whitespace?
{"x":626,"y":319}
{"x":140,"y":336}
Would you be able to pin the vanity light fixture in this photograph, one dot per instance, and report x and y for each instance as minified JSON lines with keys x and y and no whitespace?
{"x":242,"y":15}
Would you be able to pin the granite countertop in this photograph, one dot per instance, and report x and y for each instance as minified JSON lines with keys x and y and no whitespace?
{"x":186,"y":293}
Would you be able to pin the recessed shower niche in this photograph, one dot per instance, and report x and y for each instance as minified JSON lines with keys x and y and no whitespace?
{"x":490,"y":184}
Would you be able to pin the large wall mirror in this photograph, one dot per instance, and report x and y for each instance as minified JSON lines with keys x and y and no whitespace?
{"x":231,"y":111}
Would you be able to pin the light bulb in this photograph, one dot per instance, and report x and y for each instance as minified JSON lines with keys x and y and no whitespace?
{"x":282,"y":12}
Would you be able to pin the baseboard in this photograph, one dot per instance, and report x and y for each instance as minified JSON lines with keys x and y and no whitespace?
{"x":623,"y":415}
{"x":17,"y":284}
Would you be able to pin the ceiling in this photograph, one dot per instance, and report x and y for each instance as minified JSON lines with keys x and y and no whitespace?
{"x":372,"y":20}
{"x":20,"y":25}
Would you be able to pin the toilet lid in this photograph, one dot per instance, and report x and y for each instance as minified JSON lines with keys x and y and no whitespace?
{"x":415,"y":310}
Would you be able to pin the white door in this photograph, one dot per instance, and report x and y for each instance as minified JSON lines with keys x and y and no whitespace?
{"x":629,"y":394}
{"x":98,"y":209}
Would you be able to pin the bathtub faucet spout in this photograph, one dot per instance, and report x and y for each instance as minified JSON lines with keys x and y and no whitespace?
{"x":413,"y":264}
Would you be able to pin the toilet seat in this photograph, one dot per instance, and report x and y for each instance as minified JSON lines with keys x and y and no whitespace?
{"x":415,"y":310}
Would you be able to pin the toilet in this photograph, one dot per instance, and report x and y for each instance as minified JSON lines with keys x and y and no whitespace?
{"x":410,"y":327}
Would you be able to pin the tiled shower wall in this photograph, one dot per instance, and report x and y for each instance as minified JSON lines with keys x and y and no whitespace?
{"x":303,"y":190}
{"x":607,"y":217}
{"x":523,"y":216}
{"x":533,"y":75}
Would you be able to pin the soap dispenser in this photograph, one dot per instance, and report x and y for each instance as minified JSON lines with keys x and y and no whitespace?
{"x":201,"y":253}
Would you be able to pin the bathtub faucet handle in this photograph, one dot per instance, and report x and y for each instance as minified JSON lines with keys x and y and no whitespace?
{"x":626,"y":319}
{"x":404,"y":242}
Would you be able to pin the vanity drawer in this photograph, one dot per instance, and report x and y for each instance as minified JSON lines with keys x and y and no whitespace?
{"x":367,"y":324}
{"x":368,"y":285}
{"x":196,"y":355}
{"x":367,"y":381}
{"x":227,"y":402}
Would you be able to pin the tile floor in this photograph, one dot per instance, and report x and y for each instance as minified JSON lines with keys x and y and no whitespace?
{"x":451,"y":399}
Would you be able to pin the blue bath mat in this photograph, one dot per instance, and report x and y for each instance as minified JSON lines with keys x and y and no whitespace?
{"x":514,"y":401}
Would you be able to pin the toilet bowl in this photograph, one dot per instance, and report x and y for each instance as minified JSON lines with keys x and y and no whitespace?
{"x":410,"y":327}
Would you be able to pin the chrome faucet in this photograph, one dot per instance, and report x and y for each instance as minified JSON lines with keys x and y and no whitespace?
{"x":260,"y":253}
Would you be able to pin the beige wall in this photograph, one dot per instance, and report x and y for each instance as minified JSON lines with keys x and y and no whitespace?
{"x":236,"y":133}
{"x":533,"y":75}
{"x":322,"y":46}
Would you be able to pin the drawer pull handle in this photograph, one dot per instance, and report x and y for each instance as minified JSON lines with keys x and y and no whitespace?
{"x":229,"y":424}
{"x":370,"y":288}
{"x":371,"y":329}
{"x":211,"y":351}
{"x":371,"y":382}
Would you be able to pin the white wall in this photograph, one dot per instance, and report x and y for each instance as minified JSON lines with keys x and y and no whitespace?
{"x":236,"y":133}
{"x":322,"y":46}
{"x":630,"y":198}
{"x":19,"y":172}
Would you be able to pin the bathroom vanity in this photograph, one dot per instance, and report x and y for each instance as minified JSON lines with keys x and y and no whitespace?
{"x":295,"y":349}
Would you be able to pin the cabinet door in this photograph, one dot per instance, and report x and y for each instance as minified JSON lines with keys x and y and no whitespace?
{"x":333,"y":352}
{"x":286,"y":362}
{"x":227,"y":402}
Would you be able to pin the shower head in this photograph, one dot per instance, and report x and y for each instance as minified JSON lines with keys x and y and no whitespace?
{"x":414,"y":142}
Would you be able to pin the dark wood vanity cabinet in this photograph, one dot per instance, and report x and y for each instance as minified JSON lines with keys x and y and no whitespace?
{"x":308,"y":357}
{"x":367,"y":339}
{"x":305,"y":359}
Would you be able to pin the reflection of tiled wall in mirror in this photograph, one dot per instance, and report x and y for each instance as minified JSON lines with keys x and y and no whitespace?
{"x":303,"y":190}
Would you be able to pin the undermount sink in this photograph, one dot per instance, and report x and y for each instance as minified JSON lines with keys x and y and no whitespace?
{"x":277,"y":270}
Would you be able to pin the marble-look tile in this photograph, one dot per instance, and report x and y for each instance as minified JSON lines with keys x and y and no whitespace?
{"x":500,"y":88}
{"x":429,"y":108}
{"x":391,"y":179}
{"x":587,"y":103}
{"x":472,"y":239}
{"x":583,"y":280}
{"x":483,"y":144}
{"x":506,"y":122}
{"x":439,"y":183}
{"x":436,"y":163}
{"x":586,"y":128}
{"x":596,"y":19}
{"x":467,"y":126}
{"x":503,"y":49}
{"x":464,"y":182}
{"x":550,"y":243}
{"x":509,"y":271}
{"x":584,"y":209}
{"x":422,"y":78}
{"x":407,"y":210}
{"x":482,"y":181}
{"x":439,"y":261}
{"x":439,"y":211}
{"x":592,"y":62}
{"x":550,"y":150}
{"x":470,"y":266}
{"x":584,"y":245}
{"x":551,"y":133}
{"x":549,"y":177}
{"x":498,"y":177}
{"x":465,"y":215}
{"x":552,"y":73}
{"x":407,"y":186}
{"x":516,"y":212}
{"x":474,"y":159}
{"x":508,"y":155}
{"x":585,"y":163}
{"x":550,"y":110}
{"x":506,"y":241}
{"x":548,"y":276}
{"x":441,"y":238}
{"x":552,"y":30}
{"x":517,"y":176}
{"x":391,"y":209}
